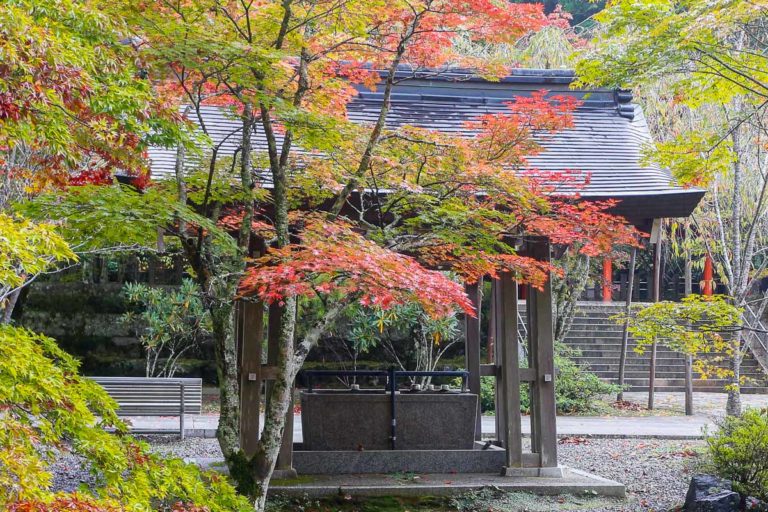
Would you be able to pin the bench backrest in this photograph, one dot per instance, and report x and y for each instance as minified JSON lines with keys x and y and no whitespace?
{"x":141,"y":396}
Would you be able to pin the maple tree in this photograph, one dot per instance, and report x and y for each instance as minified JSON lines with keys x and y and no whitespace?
{"x":48,"y":409}
{"x":74,"y":110}
{"x":324,"y":213}
{"x":72,"y":104}
{"x":702,"y":68}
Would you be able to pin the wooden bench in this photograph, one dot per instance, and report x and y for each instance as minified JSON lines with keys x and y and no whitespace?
{"x":141,"y":396}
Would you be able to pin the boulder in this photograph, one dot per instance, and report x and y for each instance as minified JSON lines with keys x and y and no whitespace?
{"x":723,"y":501}
{"x":707,"y":493}
{"x":704,"y":485}
{"x":754,"y":504}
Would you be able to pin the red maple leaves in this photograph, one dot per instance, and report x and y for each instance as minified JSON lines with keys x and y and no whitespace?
{"x":334,"y":260}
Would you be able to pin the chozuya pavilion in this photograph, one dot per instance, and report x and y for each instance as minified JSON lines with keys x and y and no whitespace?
{"x":391,"y":428}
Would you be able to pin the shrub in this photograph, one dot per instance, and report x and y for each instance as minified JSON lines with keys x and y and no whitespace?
{"x":487,"y":394}
{"x":576,"y":388}
{"x":739,"y":452}
{"x":170,"y":323}
{"x":47,"y":409}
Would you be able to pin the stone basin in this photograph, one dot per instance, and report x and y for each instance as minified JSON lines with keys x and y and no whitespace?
{"x":360,"y":420}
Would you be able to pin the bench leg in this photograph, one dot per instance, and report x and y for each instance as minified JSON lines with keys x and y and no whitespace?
{"x":181,"y":412}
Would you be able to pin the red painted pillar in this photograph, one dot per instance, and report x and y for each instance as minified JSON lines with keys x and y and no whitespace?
{"x":708,"y":288}
{"x":607,"y":279}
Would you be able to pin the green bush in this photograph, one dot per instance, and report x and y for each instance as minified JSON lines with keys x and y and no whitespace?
{"x":577,"y":389}
{"x":739,"y":452}
{"x":487,"y":395}
{"x":48,"y":409}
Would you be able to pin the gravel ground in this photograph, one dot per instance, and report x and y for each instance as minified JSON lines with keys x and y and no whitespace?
{"x":656,"y":472}
{"x":69,"y":474}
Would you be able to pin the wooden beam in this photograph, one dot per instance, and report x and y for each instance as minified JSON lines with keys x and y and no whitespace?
{"x":542,"y":351}
{"x":250,"y":329}
{"x":512,"y":437}
{"x":472,"y":348}
{"x":489,"y":370}
{"x":607,"y":280}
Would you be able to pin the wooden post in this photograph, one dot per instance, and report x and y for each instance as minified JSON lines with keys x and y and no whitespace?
{"x":656,"y":297}
{"x":512,"y":435}
{"x":688,"y":289}
{"x":251,"y":335}
{"x":472,"y":349}
{"x":607,"y":280}
{"x":625,"y":331}
{"x":542,"y":350}
{"x":708,"y":288}
{"x":497,"y":328}
{"x":490,"y":357}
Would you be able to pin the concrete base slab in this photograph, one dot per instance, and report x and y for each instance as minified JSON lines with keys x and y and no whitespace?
{"x":558,"y":472}
{"x":279,"y":474}
{"x":442,"y":484}
{"x":483,"y":459}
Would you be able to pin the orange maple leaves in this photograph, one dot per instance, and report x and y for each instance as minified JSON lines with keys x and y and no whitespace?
{"x":333,"y":259}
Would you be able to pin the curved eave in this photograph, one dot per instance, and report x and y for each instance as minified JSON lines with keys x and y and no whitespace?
{"x":641,"y":208}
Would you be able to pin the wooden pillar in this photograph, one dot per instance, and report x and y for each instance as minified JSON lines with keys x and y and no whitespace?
{"x":490,"y":357}
{"x":708,"y":287}
{"x":496,"y":327}
{"x":511,"y":436}
{"x":472,"y":349}
{"x":607,"y":280}
{"x":655,"y":297}
{"x":250,"y":333}
{"x":542,"y":354}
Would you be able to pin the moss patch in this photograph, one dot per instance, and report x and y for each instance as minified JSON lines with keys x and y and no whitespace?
{"x":350,"y":504}
{"x":289,"y":482}
{"x":488,"y":499}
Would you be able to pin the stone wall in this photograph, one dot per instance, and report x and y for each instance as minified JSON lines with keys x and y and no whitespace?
{"x":85,"y":318}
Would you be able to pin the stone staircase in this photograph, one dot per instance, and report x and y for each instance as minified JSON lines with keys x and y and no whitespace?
{"x":598,"y":339}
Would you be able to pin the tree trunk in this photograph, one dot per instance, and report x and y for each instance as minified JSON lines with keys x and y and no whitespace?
{"x":625,"y":333}
{"x":733,"y":405}
{"x":222,"y":320}
{"x":10,"y":305}
{"x":567,"y":290}
{"x":253,"y":474}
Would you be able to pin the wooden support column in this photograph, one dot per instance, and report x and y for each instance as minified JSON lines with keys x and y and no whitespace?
{"x":250,"y":333}
{"x":607,"y":280}
{"x":495,"y":326}
{"x":542,"y":355}
{"x":509,"y":384}
{"x":708,"y":287}
{"x":490,"y":357}
{"x":655,"y":297}
{"x":472,"y":349}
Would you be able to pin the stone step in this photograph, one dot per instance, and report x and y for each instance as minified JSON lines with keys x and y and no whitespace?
{"x":596,"y":337}
{"x":612,"y":369}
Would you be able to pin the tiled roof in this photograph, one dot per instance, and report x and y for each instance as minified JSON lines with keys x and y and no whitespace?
{"x":606,"y":141}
